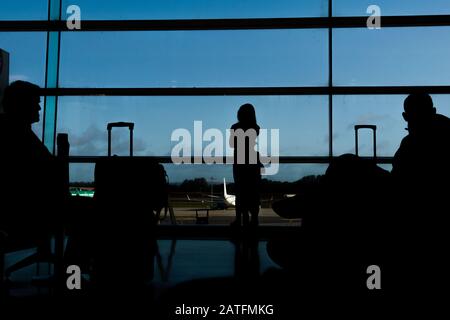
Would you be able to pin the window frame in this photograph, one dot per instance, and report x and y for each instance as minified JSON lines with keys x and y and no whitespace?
{"x":54,"y":25}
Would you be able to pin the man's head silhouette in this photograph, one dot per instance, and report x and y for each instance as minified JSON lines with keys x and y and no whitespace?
{"x":419,"y":112}
{"x":21,"y":102}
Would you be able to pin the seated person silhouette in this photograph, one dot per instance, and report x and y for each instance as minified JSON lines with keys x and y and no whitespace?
{"x":28,"y":185}
{"x":422,"y":162}
{"x":246,"y":166}
{"x":421,"y":170}
{"x":423,"y":156}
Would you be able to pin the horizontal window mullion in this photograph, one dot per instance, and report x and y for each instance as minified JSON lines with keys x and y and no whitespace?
{"x":282,"y":159}
{"x":242,"y":91}
{"x":365,"y":90}
{"x":237,"y":91}
{"x":227,"y":24}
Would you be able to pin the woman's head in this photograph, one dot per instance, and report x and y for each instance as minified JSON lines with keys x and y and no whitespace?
{"x":246,"y":115}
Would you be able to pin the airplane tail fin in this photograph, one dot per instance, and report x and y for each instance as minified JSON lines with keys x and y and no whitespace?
{"x":225,"y":194}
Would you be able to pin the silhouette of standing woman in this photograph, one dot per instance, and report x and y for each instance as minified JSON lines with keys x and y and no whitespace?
{"x":246,"y":166}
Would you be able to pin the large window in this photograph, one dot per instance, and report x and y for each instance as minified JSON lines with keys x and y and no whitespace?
{"x":290,"y":179}
{"x":391,"y":57}
{"x":198,"y":9}
{"x":27,"y":55}
{"x":24,"y":10}
{"x":83,"y":173}
{"x":311,"y":77}
{"x":244,"y":58}
{"x":384,"y":111}
{"x":302,"y":121}
{"x":27,"y":60}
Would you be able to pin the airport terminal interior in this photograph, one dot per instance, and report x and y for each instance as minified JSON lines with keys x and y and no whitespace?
{"x":206,"y":158}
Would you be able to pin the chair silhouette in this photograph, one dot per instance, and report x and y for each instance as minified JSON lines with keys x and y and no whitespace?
{"x":18,"y":243}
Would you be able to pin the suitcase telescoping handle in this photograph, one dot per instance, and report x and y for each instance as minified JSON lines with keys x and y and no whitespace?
{"x":374,"y":130}
{"x":129,"y":125}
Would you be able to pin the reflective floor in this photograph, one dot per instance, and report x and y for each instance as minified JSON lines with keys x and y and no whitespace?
{"x":176,"y":261}
{"x":196,"y":259}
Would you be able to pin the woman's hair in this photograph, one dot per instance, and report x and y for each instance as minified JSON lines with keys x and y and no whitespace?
{"x":246,"y":115}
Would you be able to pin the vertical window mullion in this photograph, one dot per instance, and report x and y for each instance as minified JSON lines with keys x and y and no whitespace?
{"x":330,"y":77}
{"x":52,"y":77}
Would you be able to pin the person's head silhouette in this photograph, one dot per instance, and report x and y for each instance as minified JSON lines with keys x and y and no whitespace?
{"x":21,"y":102}
{"x":247,"y":116}
{"x":419,"y":112}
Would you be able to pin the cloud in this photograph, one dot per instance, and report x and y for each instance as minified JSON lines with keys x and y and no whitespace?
{"x":89,"y":142}
{"x":122,"y":146}
{"x":91,"y":135}
{"x":93,"y":142}
{"x":88,"y":149}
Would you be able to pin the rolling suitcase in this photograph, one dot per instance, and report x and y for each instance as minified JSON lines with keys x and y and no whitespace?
{"x":130,"y":193}
{"x":130,"y":183}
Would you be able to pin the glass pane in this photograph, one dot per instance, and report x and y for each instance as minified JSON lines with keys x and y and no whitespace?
{"x":215,"y":174}
{"x":302,"y":121}
{"x":26,"y":55}
{"x":197,"y":9}
{"x":383,"y":111}
{"x":391,"y":7}
{"x":200,"y":181}
{"x":83,"y":173}
{"x":24,"y":10}
{"x":194,"y":58}
{"x":391,"y":56}
{"x":191,"y":186}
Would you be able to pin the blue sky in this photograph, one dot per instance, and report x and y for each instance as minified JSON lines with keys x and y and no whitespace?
{"x":403,"y":56}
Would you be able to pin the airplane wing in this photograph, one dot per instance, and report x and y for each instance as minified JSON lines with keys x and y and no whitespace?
{"x":194,"y":200}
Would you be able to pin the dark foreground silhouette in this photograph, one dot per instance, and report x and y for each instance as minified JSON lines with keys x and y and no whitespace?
{"x":246,"y":166}
{"x":31,"y":191}
{"x":362,"y":215}
{"x":357,"y":216}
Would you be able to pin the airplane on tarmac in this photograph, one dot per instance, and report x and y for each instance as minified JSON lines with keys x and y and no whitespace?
{"x":228,"y":200}
{"x":217,"y":202}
